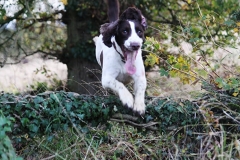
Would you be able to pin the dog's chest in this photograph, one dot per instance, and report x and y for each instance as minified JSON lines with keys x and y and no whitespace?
{"x":124,"y":78}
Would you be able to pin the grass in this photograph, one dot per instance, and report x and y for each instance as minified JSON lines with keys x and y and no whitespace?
{"x":216,"y":136}
{"x":124,"y":142}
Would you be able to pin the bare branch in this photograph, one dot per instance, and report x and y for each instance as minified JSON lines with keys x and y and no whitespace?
{"x":32,"y":53}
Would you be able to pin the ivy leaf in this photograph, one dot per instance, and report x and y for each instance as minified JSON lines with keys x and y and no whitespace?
{"x":24,"y":121}
{"x":33,"y":128}
{"x":81,"y":116}
{"x":69,"y":106}
{"x":229,"y":23}
{"x":7,"y":129}
{"x":50,"y":138}
{"x":149,"y":118}
{"x":38,"y":100}
{"x":3,"y":121}
{"x":163,"y":72}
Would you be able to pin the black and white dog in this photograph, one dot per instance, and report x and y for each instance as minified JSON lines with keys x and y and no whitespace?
{"x":118,"y":52}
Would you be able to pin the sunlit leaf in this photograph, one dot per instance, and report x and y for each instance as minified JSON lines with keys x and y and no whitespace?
{"x":235,"y":94}
{"x":235,"y":30}
{"x":65,"y":2}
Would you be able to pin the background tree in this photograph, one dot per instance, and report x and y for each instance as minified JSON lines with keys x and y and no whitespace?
{"x":39,"y":28}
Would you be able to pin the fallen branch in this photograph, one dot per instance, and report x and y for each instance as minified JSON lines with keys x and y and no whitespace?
{"x":149,"y":125}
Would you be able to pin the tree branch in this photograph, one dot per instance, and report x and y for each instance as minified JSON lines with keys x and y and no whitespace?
{"x":37,"y":51}
{"x":149,"y":125}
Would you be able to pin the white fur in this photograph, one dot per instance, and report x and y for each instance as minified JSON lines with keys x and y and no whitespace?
{"x":133,"y":38}
{"x":114,"y":74}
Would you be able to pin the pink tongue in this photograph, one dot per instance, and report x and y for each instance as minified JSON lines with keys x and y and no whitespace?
{"x":129,"y":65}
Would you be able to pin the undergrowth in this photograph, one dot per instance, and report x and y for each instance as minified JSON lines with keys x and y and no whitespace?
{"x":66,"y":125}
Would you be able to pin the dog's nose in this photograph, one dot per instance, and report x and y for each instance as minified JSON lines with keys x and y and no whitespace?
{"x":135,"y":46}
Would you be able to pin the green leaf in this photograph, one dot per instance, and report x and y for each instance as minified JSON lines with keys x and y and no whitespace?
{"x":163,"y":72}
{"x":33,"y":128}
{"x":3,"y":121}
{"x":69,"y":105}
{"x":7,"y":142}
{"x":229,"y":22}
{"x":81,"y":116}
{"x":24,"y":121}
{"x":149,"y":118}
{"x":38,"y":100}
{"x":2,"y":134}
{"x":7,"y":129}
{"x":50,"y":138}
{"x":204,"y":17}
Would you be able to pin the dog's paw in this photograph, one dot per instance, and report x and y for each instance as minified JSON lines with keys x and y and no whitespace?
{"x":127,"y":99}
{"x":139,"y":107}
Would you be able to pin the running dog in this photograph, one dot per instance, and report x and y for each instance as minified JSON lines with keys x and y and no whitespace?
{"x":118,"y":52}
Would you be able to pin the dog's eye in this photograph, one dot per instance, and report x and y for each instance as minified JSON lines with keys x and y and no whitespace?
{"x":139,"y":32}
{"x":124,"y":32}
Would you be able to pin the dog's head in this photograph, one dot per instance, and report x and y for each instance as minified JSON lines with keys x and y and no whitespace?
{"x":128,"y":30}
{"x":129,"y":35}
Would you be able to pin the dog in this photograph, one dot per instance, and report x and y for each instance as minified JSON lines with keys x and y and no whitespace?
{"x":118,"y":52}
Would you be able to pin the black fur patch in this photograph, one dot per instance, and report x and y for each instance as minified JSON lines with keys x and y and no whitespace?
{"x":101,"y":58}
{"x":121,"y":28}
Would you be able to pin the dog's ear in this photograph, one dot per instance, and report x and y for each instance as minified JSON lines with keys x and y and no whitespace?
{"x":133,"y":13}
{"x":108,"y":30}
{"x":144,"y":22}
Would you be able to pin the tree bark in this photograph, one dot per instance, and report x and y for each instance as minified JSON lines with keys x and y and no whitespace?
{"x":83,"y":76}
{"x":83,"y":73}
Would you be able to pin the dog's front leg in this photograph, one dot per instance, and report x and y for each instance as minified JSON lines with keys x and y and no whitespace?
{"x":116,"y":86}
{"x":139,"y":90}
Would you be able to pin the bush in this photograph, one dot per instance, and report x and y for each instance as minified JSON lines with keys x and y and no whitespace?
{"x":7,"y":152}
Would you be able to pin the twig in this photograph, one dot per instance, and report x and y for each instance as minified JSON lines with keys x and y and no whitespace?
{"x":53,"y":156}
{"x":231,"y":117}
{"x":125,"y":116}
{"x":147,"y":125}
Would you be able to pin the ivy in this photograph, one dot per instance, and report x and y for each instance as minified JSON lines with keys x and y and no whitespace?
{"x":47,"y":113}
{"x":6,"y":149}
{"x":50,"y":112}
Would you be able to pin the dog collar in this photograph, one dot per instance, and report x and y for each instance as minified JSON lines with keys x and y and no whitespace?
{"x":122,"y":58}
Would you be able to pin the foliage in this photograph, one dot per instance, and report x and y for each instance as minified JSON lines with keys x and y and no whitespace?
{"x":173,"y":65}
{"x":31,"y":31}
{"x":50,"y":112}
{"x":232,"y":85}
{"x":46,"y":116}
{"x":33,"y":22}
{"x":205,"y":128}
{"x":6,"y":149}
{"x":209,"y":29}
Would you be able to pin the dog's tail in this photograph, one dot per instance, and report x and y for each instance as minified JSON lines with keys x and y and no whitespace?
{"x":113,"y":10}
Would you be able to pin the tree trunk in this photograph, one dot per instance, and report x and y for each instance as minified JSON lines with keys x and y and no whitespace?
{"x":84,"y":76}
{"x":83,"y":73}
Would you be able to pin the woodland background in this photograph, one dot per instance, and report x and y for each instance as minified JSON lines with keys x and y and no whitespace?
{"x":52,"y":105}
